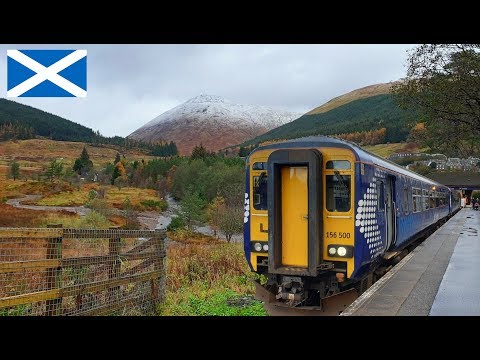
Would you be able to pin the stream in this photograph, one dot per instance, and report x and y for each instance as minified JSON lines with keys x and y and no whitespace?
{"x":150,"y":219}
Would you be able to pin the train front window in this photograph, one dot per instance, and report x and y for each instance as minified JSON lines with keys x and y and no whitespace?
{"x":338,"y":192}
{"x":260,"y":191}
{"x":338,"y":164}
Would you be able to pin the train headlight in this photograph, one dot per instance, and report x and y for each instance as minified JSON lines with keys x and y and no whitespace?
{"x":344,"y":251}
{"x":259,"y":246}
{"x":341,"y":251}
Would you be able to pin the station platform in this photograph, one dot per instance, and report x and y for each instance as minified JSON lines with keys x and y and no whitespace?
{"x":439,"y":277}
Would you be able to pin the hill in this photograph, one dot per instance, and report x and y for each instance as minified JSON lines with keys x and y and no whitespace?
{"x":212,"y":121}
{"x":43,"y":123}
{"x":364,"y":114}
{"x":34,"y":155}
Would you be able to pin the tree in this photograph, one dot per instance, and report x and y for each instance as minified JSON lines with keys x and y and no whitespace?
{"x":231,"y":221}
{"x":15,"y":170}
{"x":192,"y":209}
{"x":119,"y":171}
{"x":433,"y":165}
{"x":214,"y":213}
{"x":199,"y":152}
{"x":54,"y":170}
{"x":83,"y":164}
{"x":443,"y":82}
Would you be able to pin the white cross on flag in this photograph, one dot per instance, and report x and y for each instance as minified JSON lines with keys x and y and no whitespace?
{"x":46,"y":73}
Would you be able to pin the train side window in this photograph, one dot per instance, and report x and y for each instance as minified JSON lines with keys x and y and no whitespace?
{"x":417,"y":199}
{"x":432,"y":199}
{"x":260,"y":192}
{"x":337,"y":192}
{"x":426,"y":202}
{"x":381,"y":200}
{"x":338,"y":164}
{"x":405,"y":201}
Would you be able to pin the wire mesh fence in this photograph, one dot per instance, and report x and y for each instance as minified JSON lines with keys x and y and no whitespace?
{"x":58,"y":271}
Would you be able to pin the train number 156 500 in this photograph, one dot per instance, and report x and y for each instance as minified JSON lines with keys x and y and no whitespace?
{"x":338,"y":235}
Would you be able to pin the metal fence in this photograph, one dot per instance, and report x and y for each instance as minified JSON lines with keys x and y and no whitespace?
{"x":57,"y":271}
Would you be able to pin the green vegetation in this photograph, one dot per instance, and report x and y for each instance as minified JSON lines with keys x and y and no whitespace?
{"x":83,"y":164}
{"x":55,"y":169}
{"x":15,"y":170}
{"x":43,"y":123}
{"x":371,"y":113}
{"x":167,"y":149}
{"x":208,"y":277}
{"x":154,"y":205}
{"x":442,"y":82}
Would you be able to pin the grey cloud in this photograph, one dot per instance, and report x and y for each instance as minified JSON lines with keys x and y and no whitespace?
{"x":128,"y":85}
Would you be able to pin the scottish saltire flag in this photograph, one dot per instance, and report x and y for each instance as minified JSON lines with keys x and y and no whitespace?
{"x":46,"y":73}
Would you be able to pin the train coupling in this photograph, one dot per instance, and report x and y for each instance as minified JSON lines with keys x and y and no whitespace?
{"x":291,"y":289}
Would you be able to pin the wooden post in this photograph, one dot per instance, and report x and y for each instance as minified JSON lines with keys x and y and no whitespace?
{"x":158,"y":284}
{"x":54,"y":275}
{"x":114,"y":265}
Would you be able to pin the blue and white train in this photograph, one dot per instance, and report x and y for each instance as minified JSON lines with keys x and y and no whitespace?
{"x":322,"y":215}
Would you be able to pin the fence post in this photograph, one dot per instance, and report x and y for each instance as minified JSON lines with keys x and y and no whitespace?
{"x":158,"y":284}
{"x":114,"y":245}
{"x":54,"y":275}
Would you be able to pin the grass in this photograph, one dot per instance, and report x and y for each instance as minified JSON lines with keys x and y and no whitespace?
{"x":385,"y":150}
{"x":35,"y":154}
{"x":13,"y":217}
{"x":141,"y":199}
{"x":206,"y":276}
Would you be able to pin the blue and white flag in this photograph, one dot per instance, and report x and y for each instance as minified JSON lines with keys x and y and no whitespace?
{"x":46,"y":73}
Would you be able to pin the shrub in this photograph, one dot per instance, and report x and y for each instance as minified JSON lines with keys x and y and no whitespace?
{"x":176,"y":223}
{"x":100,"y":206}
{"x":159,"y":205}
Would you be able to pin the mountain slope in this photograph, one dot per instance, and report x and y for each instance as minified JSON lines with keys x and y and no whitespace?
{"x":43,"y":123}
{"x":212,"y":121}
{"x":364,"y":114}
{"x":357,"y":94}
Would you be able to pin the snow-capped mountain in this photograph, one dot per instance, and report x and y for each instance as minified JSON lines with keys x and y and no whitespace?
{"x":213,"y":121}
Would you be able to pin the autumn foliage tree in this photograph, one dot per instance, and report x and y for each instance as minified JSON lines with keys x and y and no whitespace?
{"x":443,"y":82}
{"x":118,"y":171}
{"x":372,"y":137}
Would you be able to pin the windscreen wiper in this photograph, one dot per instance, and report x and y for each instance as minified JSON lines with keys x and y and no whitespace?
{"x":342,"y":181}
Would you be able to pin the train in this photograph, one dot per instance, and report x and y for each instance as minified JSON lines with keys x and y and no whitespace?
{"x":321,"y":216}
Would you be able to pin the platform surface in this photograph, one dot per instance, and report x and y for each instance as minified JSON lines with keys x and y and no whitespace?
{"x":437,"y":278}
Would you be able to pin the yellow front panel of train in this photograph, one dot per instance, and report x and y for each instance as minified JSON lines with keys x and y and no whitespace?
{"x":294,"y":180}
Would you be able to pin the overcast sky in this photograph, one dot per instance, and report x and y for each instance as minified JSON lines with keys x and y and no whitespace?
{"x":128,"y":85}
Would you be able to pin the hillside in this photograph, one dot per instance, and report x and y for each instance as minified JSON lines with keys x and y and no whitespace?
{"x":35,"y":154}
{"x":357,"y":94}
{"x":365,"y":114}
{"x":43,"y":123}
{"x":212,"y":121}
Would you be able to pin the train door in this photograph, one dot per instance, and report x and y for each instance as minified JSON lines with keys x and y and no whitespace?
{"x":295,"y":219}
{"x":390,"y":211}
{"x":294,"y":202}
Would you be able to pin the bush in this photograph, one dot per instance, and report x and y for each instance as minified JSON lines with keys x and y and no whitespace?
{"x":176,"y":223}
{"x":159,"y":205}
{"x":100,"y":206}
{"x":94,"y":220}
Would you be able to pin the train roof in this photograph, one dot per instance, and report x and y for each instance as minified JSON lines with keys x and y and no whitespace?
{"x":361,"y":154}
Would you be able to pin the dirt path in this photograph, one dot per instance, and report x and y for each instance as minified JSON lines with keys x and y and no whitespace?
{"x":81,"y":210}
